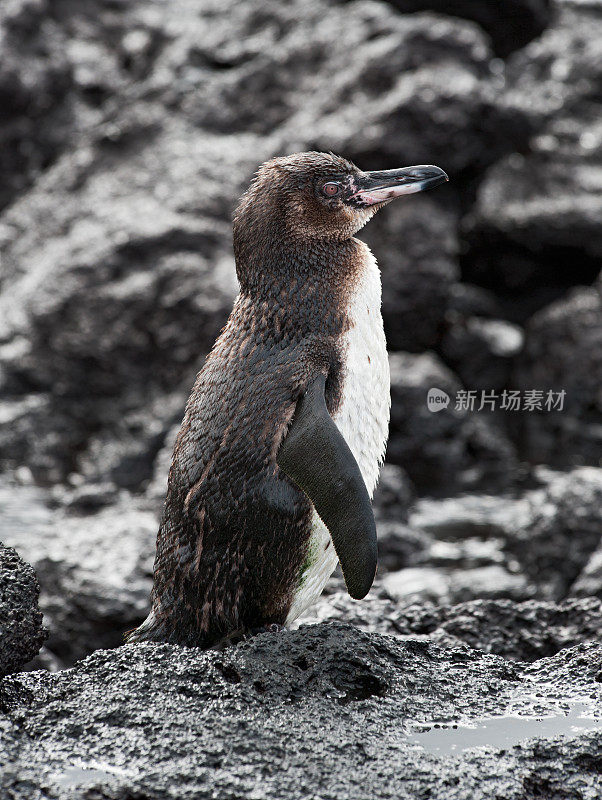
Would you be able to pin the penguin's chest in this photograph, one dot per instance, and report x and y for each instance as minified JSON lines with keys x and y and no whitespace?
{"x":362,"y":417}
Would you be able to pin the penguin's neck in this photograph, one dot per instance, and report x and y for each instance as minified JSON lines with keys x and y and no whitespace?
{"x":311,"y":280}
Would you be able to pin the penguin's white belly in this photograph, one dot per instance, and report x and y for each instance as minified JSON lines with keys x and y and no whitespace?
{"x":362,"y":417}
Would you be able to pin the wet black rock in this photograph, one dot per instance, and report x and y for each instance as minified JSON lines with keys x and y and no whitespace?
{"x":563,"y":533}
{"x":103,"y":335}
{"x":510,"y":25}
{"x":449,"y":449}
{"x":469,"y":554}
{"x":117,"y":269}
{"x":486,"y":517}
{"x":468,"y":300}
{"x":21,"y":631}
{"x":546,"y":535}
{"x":325,"y":711}
{"x":563,"y":354}
{"x":416,"y":89}
{"x":562,"y":63}
{"x":536,"y":234}
{"x":454,"y":550}
{"x":128,"y":131}
{"x":400,"y":546}
{"x":94,"y":560}
{"x":450,"y":584}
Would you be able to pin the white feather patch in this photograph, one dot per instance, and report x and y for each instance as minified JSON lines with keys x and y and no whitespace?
{"x":362,"y":418}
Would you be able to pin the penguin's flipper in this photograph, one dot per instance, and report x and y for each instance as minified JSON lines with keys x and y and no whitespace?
{"x":317,"y":458}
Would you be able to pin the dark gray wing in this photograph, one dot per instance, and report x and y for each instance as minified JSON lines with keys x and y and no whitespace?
{"x":317,"y":458}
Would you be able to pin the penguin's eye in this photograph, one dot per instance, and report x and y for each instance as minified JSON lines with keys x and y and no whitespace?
{"x":331,"y":189}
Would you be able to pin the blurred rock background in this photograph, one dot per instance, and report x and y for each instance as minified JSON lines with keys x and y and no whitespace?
{"x":127,"y":132}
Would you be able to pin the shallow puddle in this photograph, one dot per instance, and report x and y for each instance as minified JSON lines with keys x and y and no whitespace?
{"x":87,"y":776}
{"x":505,"y":732}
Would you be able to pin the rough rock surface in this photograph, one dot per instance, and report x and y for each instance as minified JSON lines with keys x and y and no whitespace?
{"x":589,"y":583}
{"x":481,"y":351}
{"x":563,"y":353}
{"x":534,"y":228}
{"x":524,"y":631}
{"x":138,"y":124}
{"x":21,"y":630}
{"x":394,"y":494}
{"x":326,"y":711}
{"x":449,"y":449}
{"x":546,"y":534}
{"x":563,"y":533}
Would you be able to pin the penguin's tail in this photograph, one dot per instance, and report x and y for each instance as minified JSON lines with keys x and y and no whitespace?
{"x":149,"y":631}
{"x":155,"y":629}
{"x":172,"y":630}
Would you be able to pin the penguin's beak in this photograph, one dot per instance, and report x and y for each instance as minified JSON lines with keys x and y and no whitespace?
{"x":371,"y":188}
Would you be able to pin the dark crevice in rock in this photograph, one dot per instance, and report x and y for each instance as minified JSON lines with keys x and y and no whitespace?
{"x":228,"y":671}
{"x":537,"y":787}
{"x":302,"y":663}
{"x":357,"y":680}
{"x":364,"y":687}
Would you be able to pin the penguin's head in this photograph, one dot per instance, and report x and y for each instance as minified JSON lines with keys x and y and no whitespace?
{"x":323,"y":196}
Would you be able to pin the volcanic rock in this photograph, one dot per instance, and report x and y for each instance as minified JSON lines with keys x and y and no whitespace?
{"x":21,"y":629}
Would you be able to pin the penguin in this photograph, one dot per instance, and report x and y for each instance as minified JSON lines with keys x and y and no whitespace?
{"x":285,"y":429}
